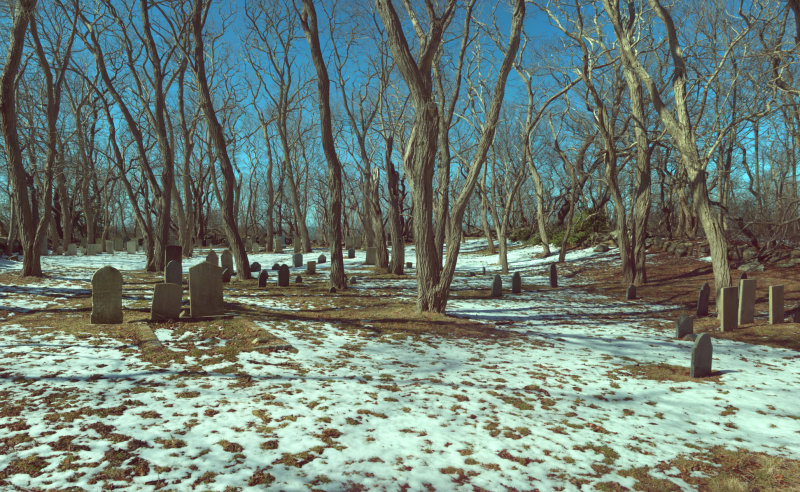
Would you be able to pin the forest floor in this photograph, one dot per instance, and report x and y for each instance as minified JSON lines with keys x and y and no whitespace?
{"x":296,"y":388}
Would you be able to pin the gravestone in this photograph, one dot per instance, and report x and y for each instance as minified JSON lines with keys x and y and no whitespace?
{"x":226,"y":275}
{"x":109,"y":246}
{"x":775,"y":304}
{"x":298,"y":280}
{"x":173,"y":253}
{"x":297,"y":260}
{"x":173,"y":273}
{"x":553,"y":275}
{"x":43,"y":251}
{"x":684,"y":326}
{"x":249,"y":246}
{"x":72,"y":250}
{"x":332,"y":290}
{"x":321,"y":259}
{"x":497,"y":287}
{"x":408,"y":265}
{"x":166,"y":301}
{"x":516,"y":283}
{"x":796,"y":316}
{"x":205,"y":290}
{"x":106,"y":296}
{"x":118,"y":245}
{"x":701,"y":356}
{"x":747,"y":301}
{"x":132,"y":246}
{"x":311,"y":267}
{"x":296,"y":244}
{"x":262,"y":278}
{"x":278,"y":244}
{"x":353,"y":280}
{"x":484,"y":271}
{"x":93,"y":249}
{"x":212,"y":258}
{"x":255,"y":267}
{"x":729,"y":300}
{"x":702,"y":300}
{"x":351,"y":253}
{"x":226,"y":260}
{"x":372,"y":254}
{"x":283,"y":276}
{"x":630,"y":294}
{"x":276,"y":267}
{"x":744,"y":276}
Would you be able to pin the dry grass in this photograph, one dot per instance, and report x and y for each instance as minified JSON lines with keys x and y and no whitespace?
{"x":660,"y":372}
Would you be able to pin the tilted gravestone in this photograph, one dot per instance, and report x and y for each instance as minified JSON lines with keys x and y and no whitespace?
{"x":351,"y":253}
{"x":212,"y":258}
{"x":297,"y":260}
{"x":173,"y":273}
{"x":322,"y":259}
{"x":276,"y":267}
{"x":205,"y":290}
{"x":283,"y":276}
{"x":173,"y":253}
{"x":497,"y":286}
{"x":630,"y":294}
{"x":106,"y":296}
{"x":132,"y":246}
{"x":226,"y":260}
{"x":372,"y":255}
{"x":262,"y":278}
{"x":729,"y":300}
{"x":255,"y":267}
{"x":516,"y":283}
{"x":118,"y":245}
{"x":776,"y":313}
{"x":684,"y":326}
{"x":298,"y":280}
{"x":72,"y":250}
{"x":110,"y":246}
{"x":226,"y":275}
{"x":702,"y":300}
{"x":701,"y":356}
{"x":553,"y":275}
{"x":311,"y":267}
{"x":166,"y":302}
{"x":747,"y":301}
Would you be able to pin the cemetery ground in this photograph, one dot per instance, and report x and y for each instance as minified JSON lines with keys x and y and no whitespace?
{"x":296,"y":388}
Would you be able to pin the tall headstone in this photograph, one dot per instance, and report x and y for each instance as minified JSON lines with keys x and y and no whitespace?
{"x":278,"y":244}
{"x":322,"y":259}
{"x":747,"y":301}
{"x":43,"y":249}
{"x":166,"y":301}
{"x":249,"y":246}
{"x":226,"y":275}
{"x":262,"y":278}
{"x":72,"y":250}
{"x":173,"y":273}
{"x":497,"y":286}
{"x":516,"y":283}
{"x":729,"y":300}
{"x":702,"y":300}
{"x":351,"y":253}
{"x":297,"y":259}
{"x":205,"y":290}
{"x":553,"y":275}
{"x":226,"y":260}
{"x":132,"y":246}
{"x":173,"y":253}
{"x":110,"y":246}
{"x":630,"y":294}
{"x":372,"y":255}
{"x":776,"y":313}
{"x":118,"y":245}
{"x":106,"y":296}
{"x":311,"y":267}
{"x":296,"y":244}
{"x":211,"y":257}
{"x":283,"y":276}
{"x":684,"y":326}
{"x":701,"y":356}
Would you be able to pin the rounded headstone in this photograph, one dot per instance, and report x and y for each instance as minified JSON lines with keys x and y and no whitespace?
{"x":351,"y":253}
{"x":702,"y":300}
{"x":497,"y":286}
{"x":255,"y":267}
{"x":276,"y":267}
{"x":211,"y":257}
{"x":166,"y":302}
{"x":311,"y":267}
{"x":353,"y":280}
{"x":701,"y":356}
{"x":205,"y":290}
{"x":684,"y":326}
{"x":226,"y":260}
{"x":322,"y":259}
{"x":173,"y":272}
{"x":516,"y":283}
{"x":408,"y":264}
{"x":332,"y":290}
{"x":262,"y":278}
{"x":298,"y":280}
{"x":283,"y":276}
{"x":106,"y":296}
{"x":297,"y":260}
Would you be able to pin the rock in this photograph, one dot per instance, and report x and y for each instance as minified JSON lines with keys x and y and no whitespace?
{"x":753,"y":266}
{"x":600,"y":248}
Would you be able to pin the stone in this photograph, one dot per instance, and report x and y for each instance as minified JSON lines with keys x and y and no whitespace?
{"x":516,"y":283}
{"x":353,"y":280}
{"x":278,"y":244}
{"x":729,"y":300}
{"x":321,"y":259}
{"x":283,"y":276}
{"x":173,"y":273}
{"x":132,"y":246}
{"x":351,"y":253}
{"x":744,"y":276}
{"x":483,"y":272}
{"x":298,"y":280}
{"x":752,"y":266}
{"x":297,"y":260}
{"x":205,"y":290}
{"x":372,"y":254}
{"x":226,"y":260}
{"x":702,"y":300}
{"x":118,"y":245}
{"x":173,"y":253}
{"x":226,"y":275}
{"x":796,"y":316}
{"x":332,"y":290}
{"x":262,"y":278}
{"x":747,"y":301}
{"x":311,"y":267}
{"x":211,"y":257}
{"x":701,"y":356}
{"x":276,"y":267}
{"x":166,"y":302}
{"x":93,"y":249}
{"x":43,"y":250}
{"x":600,"y":248}
{"x":553,"y":275}
{"x":110,"y":246}
{"x":684,"y":326}
{"x":408,"y":264}
{"x":72,"y":250}
{"x":255,"y":267}
{"x":776,"y":313}
{"x":630,"y":294}
{"x":296,"y":245}
{"x":106,"y":296}
{"x":497,"y":286}
{"x":248,"y":246}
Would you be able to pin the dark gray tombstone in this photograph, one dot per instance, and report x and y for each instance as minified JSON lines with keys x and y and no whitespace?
{"x":729,"y":300}
{"x":484,"y":271}
{"x":166,"y":302}
{"x":276,"y":267}
{"x":684,"y":326}
{"x":311,"y":267}
{"x":262,"y":278}
{"x":212,"y":258}
{"x":553,"y":275}
{"x":776,"y":312}
{"x":408,"y":264}
{"x":226,"y":275}
{"x":255,"y":267}
{"x":283,"y":276}
{"x":747,"y":301}
{"x":353,"y":280}
{"x":297,"y":259}
{"x":516,"y":283}
{"x":172,"y":253}
{"x":701,"y":356}
{"x":205,"y":290}
{"x":106,"y":296}
{"x":351,"y":253}
{"x":298,"y":280}
{"x":173,"y":273}
{"x":630,"y":294}
{"x":226,"y":260}
{"x":744,"y":276}
{"x":702,"y":300}
{"x":497,"y":287}
{"x":322,"y":259}
{"x":332,"y":290}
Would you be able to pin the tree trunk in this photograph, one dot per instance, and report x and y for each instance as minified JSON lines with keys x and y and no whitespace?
{"x":395,"y":213}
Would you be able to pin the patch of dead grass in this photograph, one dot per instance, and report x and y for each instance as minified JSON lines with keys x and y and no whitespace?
{"x":660,"y":372}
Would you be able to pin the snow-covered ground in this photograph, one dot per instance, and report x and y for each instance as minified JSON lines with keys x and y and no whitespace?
{"x":547,"y":406}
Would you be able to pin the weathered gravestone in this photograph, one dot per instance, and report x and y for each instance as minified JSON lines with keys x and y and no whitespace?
{"x":408,"y":265}
{"x":173,"y":253}
{"x":226,"y":260}
{"x":173,"y":273}
{"x":226,"y":275}
{"x":702,"y":300}
{"x":212,"y":258}
{"x":205,"y":290}
{"x":311,"y":267}
{"x":497,"y":287}
{"x":747,"y":301}
{"x":353,"y":280}
{"x":729,"y":300}
{"x":296,"y":244}
{"x":322,"y":259}
{"x":106,"y":296}
{"x":516,"y":283}
{"x":276,"y":267}
{"x":109,"y":246}
{"x":278,"y":242}
{"x":298,"y":280}
{"x":351,"y":253}
{"x":43,"y":250}
{"x":118,"y":244}
{"x":249,"y":246}
{"x":132,"y":246}
{"x":684,"y":326}
{"x":297,"y":260}
{"x":701,"y":356}
{"x":630,"y":294}
{"x":93,"y":249}
{"x":255,"y":267}
{"x":744,"y":276}
{"x":283,"y":276}
{"x":262,"y":278}
{"x":553,"y":275}
{"x":775,"y":304}
{"x":372,"y":254}
{"x":72,"y":250}
{"x":166,"y":302}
